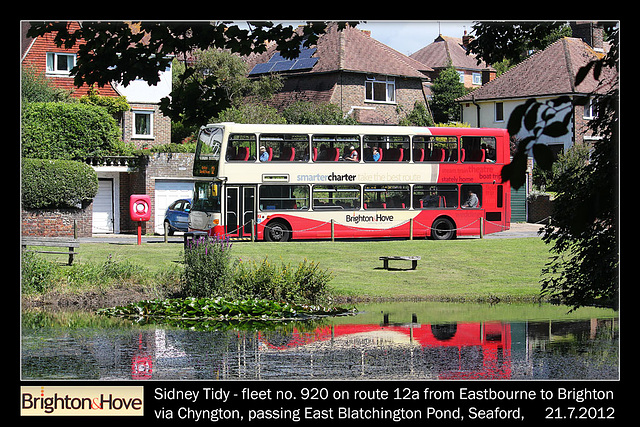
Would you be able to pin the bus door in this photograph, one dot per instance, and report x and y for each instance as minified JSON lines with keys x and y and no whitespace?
{"x":241,"y":210}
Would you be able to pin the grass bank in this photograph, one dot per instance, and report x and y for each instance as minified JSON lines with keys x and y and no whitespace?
{"x":458,"y":270}
{"x":463,"y":269}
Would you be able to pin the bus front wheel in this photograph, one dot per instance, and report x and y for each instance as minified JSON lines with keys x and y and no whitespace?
{"x":277,"y":231}
{"x":443,"y":229}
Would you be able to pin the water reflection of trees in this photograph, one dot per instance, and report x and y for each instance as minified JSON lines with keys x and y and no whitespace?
{"x":550,"y":349}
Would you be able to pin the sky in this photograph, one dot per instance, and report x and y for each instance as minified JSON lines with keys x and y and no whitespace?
{"x":406,"y":37}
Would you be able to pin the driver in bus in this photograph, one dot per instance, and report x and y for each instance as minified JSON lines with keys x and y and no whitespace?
{"x":472,"y":200}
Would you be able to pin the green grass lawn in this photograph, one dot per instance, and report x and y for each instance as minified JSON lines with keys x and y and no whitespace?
{"x":458,"y":269}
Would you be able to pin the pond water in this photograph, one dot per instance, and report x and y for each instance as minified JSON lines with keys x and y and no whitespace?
{"x":409,"y":340}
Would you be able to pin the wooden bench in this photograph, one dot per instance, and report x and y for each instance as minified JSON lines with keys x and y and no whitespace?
{"x":56,"y":242}
{"x":191,"y":236}
{"x":413,"y":259}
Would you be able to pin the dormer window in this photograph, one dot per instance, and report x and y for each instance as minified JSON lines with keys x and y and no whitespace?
{"x":60,"y":63}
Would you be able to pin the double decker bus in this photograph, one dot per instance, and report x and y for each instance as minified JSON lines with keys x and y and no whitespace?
{"x":279,"y":182}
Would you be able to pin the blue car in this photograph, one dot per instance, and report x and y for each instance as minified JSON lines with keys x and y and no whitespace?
{"x":176,"y":218}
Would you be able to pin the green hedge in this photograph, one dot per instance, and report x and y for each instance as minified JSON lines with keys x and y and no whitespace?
{"x":56,"y":183}
{"x":71,"y":131}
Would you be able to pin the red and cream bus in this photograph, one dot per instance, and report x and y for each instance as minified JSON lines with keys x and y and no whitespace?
{"x":279,"y":182}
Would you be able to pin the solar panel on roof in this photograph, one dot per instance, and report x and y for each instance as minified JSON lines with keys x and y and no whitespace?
{"x":303,"y":64}
{"x":278,"y":63}
{"x":283,"y":66}
{"x":306,"y":52}
{"x":277,"y":57}
{"x":262,"y":68}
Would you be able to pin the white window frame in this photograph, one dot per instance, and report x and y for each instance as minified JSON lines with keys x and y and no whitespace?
{"x":52,"y":63}
{"x":461,"y":76}
{"x":590,"y":110}
{"x":477,"y":78}
{"x":390,"y":88}
{"x":134,"y":134}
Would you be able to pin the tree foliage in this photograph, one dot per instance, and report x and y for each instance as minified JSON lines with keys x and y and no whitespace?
{"x":71,"y":131}
{"x":446,"y":88}
{"x":583,"y":230}
{"x":123,"y":52}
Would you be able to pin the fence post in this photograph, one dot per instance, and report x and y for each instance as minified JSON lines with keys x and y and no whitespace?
{"x":481,"y":227}
{"x":410,"y":228}
{"x":333,"y":237}
{"x":253,"y":230}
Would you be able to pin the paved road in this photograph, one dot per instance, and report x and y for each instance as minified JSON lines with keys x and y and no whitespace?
{"x":517,"y":230}
{"x":520,"y":229}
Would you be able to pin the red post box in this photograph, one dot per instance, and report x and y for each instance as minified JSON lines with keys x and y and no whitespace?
{"x":140,"y":210}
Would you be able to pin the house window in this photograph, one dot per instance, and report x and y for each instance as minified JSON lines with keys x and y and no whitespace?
{"x":477,"y":78}
{"x":380,"y":89}
{"x":499,"y":112}
{"x":143,"y":124}
{"x":590,"y":110}
{"x":60,"y":63}
{"x":461,"y":75}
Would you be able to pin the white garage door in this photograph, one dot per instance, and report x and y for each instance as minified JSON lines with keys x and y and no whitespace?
{"x":103,"y":207}
{"x":166,"y":193}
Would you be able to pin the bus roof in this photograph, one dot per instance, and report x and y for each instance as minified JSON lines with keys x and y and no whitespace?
{"x":356,"y":129}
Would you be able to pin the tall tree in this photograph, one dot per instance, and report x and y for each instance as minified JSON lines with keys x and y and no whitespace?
{"x":583,"y":231}
{"x":446,"y":88}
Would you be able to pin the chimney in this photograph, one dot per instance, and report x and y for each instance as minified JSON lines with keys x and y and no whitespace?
{"x":488,"y":74}
{"x":590,"y":32}
{"x":466,"y":40}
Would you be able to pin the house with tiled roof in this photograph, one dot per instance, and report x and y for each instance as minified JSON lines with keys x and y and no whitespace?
{"x":367,"y":79}
{"x":545,"y":75}
{"x":448,"y":51}
{"x":164,"y":176}
{"x":143,"y":125}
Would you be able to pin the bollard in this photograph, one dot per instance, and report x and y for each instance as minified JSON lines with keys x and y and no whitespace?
{"x":333,"y":231}
{"x":411,"y":229}
{"x":481,"y":227}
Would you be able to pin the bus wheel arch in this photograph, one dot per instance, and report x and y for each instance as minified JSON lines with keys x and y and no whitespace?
{"x":443,"y":228}
{"x":277,"y":230}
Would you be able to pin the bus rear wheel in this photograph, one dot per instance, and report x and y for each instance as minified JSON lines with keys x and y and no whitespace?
{"x":277,"y":231}
{"x":443,"y":229}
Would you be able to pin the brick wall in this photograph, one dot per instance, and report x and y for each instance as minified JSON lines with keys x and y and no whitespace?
{"x":161,"y":126}
{"x":350,"y":92}
{"x":165,"y":165}
{"x":36,"y":59}
{"x":57,"y":222}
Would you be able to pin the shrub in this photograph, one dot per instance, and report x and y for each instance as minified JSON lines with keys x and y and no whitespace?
{"x":56,"y":183}
{"x":304,"y":284}
{"x":207,"y":271}
{"x":37,"y":273}
{"x":58,"y":130}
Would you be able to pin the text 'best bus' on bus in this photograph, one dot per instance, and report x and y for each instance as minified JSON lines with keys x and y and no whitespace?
{"x":279,"y":182}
